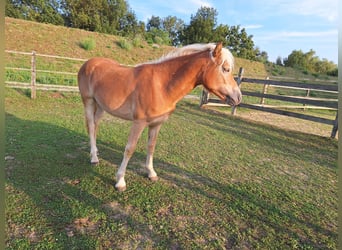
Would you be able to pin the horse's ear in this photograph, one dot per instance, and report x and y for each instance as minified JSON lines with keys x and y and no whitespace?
{"x":217,"y":50}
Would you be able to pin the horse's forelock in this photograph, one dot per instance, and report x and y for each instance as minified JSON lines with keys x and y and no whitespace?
{"x":228,"y":56}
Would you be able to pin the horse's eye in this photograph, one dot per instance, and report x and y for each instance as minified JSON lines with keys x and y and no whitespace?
{"x":225,"y":70}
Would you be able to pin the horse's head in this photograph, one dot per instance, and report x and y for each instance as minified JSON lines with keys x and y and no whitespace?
{"x":218,"y":77}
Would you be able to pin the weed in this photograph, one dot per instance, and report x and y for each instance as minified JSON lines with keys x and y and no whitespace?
{"x":124,"y":44}
{"x":137,"y":42}
{"x":88,"y":44}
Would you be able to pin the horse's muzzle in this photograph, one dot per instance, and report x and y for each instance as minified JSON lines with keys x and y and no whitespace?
{"x":234,"y":101}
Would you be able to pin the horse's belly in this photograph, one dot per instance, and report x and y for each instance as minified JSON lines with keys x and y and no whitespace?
{"x":123,"y":111}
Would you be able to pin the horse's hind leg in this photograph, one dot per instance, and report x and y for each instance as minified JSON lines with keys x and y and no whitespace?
{"x":93,"y":113}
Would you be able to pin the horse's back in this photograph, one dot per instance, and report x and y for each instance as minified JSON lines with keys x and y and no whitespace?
{"x":95,"y":65}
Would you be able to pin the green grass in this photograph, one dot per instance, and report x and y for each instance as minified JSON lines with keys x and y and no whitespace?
{"x":225,"y":183}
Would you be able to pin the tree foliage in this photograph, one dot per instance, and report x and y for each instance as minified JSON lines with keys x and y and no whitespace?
{"x":116,"y":17}
{"x":174,"y":27}
{"x":166,"y":30}
{"x":240,"y":43}
{"x":310,"y":62}
{"x":44,"y":11}
{"x":203,"y":28}
{"x":106,"y":16}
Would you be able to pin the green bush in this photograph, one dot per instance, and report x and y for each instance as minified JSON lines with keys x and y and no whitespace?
{"x":333,"y":72}
{"x":124,"y":44}
{"x":88,"y":44}
{"x":137,"y":42}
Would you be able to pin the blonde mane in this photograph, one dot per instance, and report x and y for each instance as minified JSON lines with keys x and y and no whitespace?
{"x":195,"y":48}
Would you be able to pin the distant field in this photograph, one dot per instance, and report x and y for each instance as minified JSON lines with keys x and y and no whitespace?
{"x":225,"y":182}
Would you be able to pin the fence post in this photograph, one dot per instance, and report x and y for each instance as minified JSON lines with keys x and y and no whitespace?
{"x":307,"y":95}
{"x":335,"y":127}
{"x":264,"y":91}
{"x":239,"y":81}
{"x":204,"y":97}
{"x":33,"y":75}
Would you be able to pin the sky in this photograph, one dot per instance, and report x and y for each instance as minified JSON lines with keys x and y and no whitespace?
{"x":277,"y":26}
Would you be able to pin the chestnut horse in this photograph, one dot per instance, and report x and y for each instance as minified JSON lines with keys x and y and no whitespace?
{"x":147,"y":93}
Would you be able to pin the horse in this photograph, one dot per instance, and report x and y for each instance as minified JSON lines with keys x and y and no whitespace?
{"x":146,"y":94}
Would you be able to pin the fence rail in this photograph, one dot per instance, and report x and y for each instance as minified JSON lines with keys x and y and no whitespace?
{"x":33,"y":85}
{"x":314,"y":102}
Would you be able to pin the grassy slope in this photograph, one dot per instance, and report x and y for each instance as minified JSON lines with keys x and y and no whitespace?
{"x":57,"y":40}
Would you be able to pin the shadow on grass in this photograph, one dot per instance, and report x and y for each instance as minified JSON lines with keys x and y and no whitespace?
{"x":70,"y":203}
{"x":77,"y":206}
{"x":265,"y":136}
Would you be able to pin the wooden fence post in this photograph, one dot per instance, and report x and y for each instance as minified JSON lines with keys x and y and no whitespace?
{"x":264,"y":91}
{"x":307,"y":95}
{"x":335,"y":127}
{"x":204,"y":97}
{"x":239,"y":81}
{"x":33,"y":75}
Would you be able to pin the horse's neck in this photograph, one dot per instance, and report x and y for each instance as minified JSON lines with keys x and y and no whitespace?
{"x":183,"y":76}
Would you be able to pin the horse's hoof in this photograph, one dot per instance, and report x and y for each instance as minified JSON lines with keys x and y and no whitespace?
{"x":121,"y":189}
{"x":154,"y":178}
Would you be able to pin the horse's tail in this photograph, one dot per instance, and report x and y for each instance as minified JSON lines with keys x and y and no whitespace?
{"x":92,"y":110}
{"x":84,"y":80}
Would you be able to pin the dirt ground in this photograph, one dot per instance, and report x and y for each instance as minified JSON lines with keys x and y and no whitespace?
{"x":288,"y":123}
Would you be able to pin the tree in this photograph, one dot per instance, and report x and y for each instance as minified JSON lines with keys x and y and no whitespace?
{"x":164,"y":30}
{"x":220,"y":33}
{"x":279,"y":61}
{"x":201,"y":26}
{"x":309,"y":62}
{"x":114,"y":15}
{"x":240,"y":43}
{"x":157,"y":36}
{"x":154,"y":22}
{"x":295,"y":60}
{"x":84,"y":14}
{"x":107,"y":16}
{"x":44,"y":11}
{"x":260,"y":56}
{"x":129,"y":25}
{"x":203,"y":29}
{"x":174,"y":26}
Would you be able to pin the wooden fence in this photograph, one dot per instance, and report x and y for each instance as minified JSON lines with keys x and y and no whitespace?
{"x":33,"y":85}
{"x":306,"y":102}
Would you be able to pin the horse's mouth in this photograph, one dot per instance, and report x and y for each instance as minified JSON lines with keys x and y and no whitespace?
{"x":233,"y":101}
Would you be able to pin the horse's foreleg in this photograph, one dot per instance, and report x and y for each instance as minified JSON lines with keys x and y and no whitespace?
{"x":133,"y":138}
{"x":152,"y":139}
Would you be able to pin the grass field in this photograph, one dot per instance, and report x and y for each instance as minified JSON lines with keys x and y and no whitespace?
{"x":225,"y":182}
